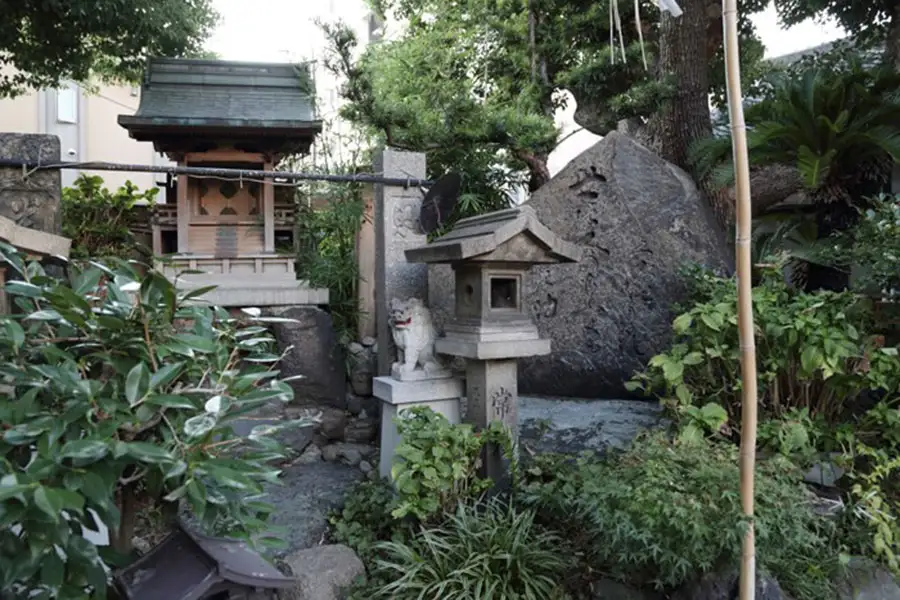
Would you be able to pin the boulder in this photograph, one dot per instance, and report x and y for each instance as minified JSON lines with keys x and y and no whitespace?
{"x":866,"y":580}
{"x":638,"y":219}
{"x":724,"y":585}
{"x":323,"y":572}
{"x":316,"y":354}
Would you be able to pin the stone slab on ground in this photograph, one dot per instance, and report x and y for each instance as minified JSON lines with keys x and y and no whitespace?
{"x":308,"y":492}
{"x":570,"y":426}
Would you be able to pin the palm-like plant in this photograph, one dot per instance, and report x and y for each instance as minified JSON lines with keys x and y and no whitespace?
{"x":837,"y":128}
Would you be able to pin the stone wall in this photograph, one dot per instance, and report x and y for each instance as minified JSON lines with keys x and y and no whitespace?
{"x":32,"y":201}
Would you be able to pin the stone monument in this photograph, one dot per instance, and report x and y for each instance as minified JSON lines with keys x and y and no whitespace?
{"x":490,"y":328}
{"x":417,"y":377}
{"x":396,"y":230}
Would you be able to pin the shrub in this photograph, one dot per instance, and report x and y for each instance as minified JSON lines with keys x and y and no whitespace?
{"x":366,"y":519}
{"x":663,"y":513}
{"x":327,"y":251}
{"x":98,"y":221}
{"x":438,"y":463}
{"x":482,"y":552}
{"x":873,"y":247}
{"x":815,"y":353}
{"x":107,"y":405}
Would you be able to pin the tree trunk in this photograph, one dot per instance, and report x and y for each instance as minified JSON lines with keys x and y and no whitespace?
{"x":892,"y":41}
{"x":537,"y":168}
{"x":683,"y":57}
{"x":121,"y":537}
{"x":684,"y":52}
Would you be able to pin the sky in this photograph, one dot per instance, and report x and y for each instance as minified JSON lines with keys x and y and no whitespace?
{"x":285,"y":30}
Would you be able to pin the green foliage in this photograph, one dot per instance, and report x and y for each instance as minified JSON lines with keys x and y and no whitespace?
{"x":366,"y":518}
{"x":438,"y":464}
{"x":97,"y":220}
{"x":815,"y":352}
{"x":118,"y":393}
{"x":872,"y":249}
{"x":663,"y":513}
{"x":874,"y":492}
{"x":464,"y":124}
{"x":837,"y":128}
{"x":109,"y":39}
{"x":327,"y":252}
{"x":488,"y":552}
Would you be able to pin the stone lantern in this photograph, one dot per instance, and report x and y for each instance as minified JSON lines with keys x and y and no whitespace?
{"x":491,"y":328}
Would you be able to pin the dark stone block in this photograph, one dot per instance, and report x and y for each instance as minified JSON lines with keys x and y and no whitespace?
{"x":316,"y":354}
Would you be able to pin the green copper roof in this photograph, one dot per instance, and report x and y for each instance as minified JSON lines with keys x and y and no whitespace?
{"x":223,"y":97}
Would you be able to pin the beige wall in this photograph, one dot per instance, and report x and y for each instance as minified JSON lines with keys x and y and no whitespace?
{"x":106,"y":141}
{"x":101,"y":137}
{"x":20,"y":115}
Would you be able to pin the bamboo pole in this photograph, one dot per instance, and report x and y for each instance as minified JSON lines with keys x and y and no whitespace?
{"x":745,"y":298}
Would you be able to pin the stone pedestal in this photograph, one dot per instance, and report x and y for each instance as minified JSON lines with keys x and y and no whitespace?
{"x":440,"y":395}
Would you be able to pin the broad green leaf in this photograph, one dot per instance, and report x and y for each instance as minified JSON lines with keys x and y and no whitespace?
{"x":166,"y":375}
{"x":148,"y":452}
{"x":810,"y":359}
{"x":693,"y":358}
{"x":53,"y":570}
{"x":199,"y":426}
{"x":683,"y":323}
{"x":137,"y":383}
{"x":168,"y":401}
{"x":24,"y":289}
{"x":197,"y":343}
{"x":49,"y":501}
{"x":15,"y":332}
{"x":44,"y":315}
{"x":673,"y":370}
{"x":87,"y":450}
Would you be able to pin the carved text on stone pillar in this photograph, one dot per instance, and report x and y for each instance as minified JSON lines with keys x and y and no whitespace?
{"x":501,"y":403}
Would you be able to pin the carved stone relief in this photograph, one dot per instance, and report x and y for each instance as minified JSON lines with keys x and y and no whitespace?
{"x":406,"y":218}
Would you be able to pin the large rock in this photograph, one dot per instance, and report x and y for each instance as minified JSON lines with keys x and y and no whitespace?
{"x":316,"y":355}
{"x":725,"y":586}
{"x":866,"y":580}
{"x":638,"y":219}
{"x":324,"y":572}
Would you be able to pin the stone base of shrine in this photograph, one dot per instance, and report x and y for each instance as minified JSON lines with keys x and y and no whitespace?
{"x":255,"y":280}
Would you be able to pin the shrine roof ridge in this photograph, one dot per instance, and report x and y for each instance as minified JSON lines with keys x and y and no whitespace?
{"x":482,"y":234}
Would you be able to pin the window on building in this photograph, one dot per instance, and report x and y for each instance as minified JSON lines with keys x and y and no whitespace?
{"x":67,"y":104}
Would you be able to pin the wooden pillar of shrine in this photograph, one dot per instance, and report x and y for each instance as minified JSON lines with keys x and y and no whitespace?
{"x":268,"y":196}
{"x":184,"y":212}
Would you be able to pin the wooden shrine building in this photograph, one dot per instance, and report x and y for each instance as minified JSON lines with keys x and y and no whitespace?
{"x":212,"y":113}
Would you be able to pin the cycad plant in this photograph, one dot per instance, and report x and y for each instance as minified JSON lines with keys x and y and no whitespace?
{"x":839,"y":130}
{"x":836,"y":128}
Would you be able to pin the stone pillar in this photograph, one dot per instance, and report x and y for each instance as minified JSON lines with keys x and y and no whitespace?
{"x":492,"y":395}
{"x":396,"y":230}
{"x":32,"y":201}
